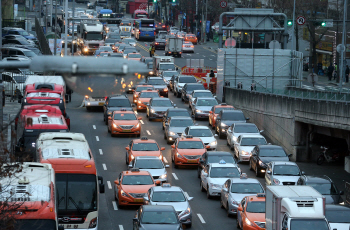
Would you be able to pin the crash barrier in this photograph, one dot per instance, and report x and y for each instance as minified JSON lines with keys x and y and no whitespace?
{"x":201,"y":74}
{"x":13,"y":23}
{"x":43,"y":43}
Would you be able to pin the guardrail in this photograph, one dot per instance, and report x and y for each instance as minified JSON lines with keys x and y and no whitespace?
{"x":44,"y":45}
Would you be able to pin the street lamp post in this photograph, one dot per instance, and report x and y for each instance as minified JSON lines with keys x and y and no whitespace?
{"x":342,"y":69}
{"x":293,"y":36}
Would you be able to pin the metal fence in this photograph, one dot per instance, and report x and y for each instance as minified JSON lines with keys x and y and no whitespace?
{"x":13,"y":83}
{"x":43,"y":43}
{"x":13,"y":23}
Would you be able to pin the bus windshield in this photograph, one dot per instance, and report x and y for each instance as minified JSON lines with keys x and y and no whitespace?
{"x":25,"y":224}
{"x":93,"y":36}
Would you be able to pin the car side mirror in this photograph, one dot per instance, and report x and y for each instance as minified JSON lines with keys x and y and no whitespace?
{"x":147,"y":104}
{"x":210,"y":112}
{"x":162,"y":148}
{"x":158,"y":182}
{"x":139,"y":118}
{"x":261,"y":131}
{"x":173,"y":146}
{"x":133,"y":105}
{"x":190,"y":198}
{"x":145,"y":198}
{"x":224,"y":189}
{"x":215,"y":135}
{"x":240,"y":209}
{"x":127,"y":148}
{"x":341,"y":192}
{"x":166,"y":124}
{"x":290,"y":155}
{"x":109,"y":118}
{"x":205,"y":174}
{"x":268,"y":172}
{"x":135,"y":220}
{"x":116,"y":182}
{"x":177,"y":68}
{"x":167,"y":166}
{"x":253,"y":154}
{"x":229,"y":130}
{"x":302,"y":173}
{"x":207,"y":147}
{"x":130,"y":166}
{"x":174,"y":105}
{"x":192,"y":116}
{"x":247,"y":118}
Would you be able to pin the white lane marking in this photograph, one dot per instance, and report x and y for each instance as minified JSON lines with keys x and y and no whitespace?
{"x":115,"y":205}
{"x":104,"y":166}
{"x":210,"y":59}
{"x":121,"y":227}
{"x":97,"y":139}
{"x":201,"y":218}
{"x":136,"y":112}
{"x":186,"y":195}
{"x":212,"y":55}
{"x":148,"y":132}
{"x":197,"y":53}
{"x":203,"y":55}
{"x":100,"y":150}
{"x":94,"y":126}
{"x":109,"y":184}
{"x":174,"y":175}
{"x":165,"y":160}
{"x":141,"y":121}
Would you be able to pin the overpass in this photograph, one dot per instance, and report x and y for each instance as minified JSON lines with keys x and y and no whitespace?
{"x":301,"y":123}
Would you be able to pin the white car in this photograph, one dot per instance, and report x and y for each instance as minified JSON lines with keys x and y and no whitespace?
{"x":238,"y":129}
{"x":187,"y":47}
{"x":245,"y":144}
{"x":198,"y":93}
{"x":282,"y":173}
{"x":153,"y":165}
{"x":204,"y":133}
{"x":180,"y":82}
{"x":214,"y":175}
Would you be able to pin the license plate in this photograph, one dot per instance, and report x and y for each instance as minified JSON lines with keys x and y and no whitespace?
{"x":175,"y":52}
{"x":192,"y":161}
{"x":147,"y":34}
{"x":127,"y":130}
{"x":101,"y":103}
{"x":159,"y":115}
{"x":70,"y":226}
{"x":138,"y":200}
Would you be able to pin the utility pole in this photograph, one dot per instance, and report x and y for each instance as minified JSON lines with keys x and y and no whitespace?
{"x":206,"y":19}
{"x":66,"y":28}
{"x":51,"y":1}
{"x":73,"y":50}
{"x":342,"y":69}
{"x":197,"y":17}
{"x":202,"y":27}
{"x":1,"y":85}
{"x":293,"y":24}
{"x":46,"y":17}
{"x":55,"y":44}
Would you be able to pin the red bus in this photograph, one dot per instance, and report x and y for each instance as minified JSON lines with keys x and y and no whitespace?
{"x":138,"y":14}
{"x":31,"y":195}
{"x":78,"y":186}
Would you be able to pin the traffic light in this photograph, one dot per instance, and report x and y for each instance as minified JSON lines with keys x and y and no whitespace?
{"x":289,"y":22}
{"x":323,"y":24}
{"x":155,"y":1}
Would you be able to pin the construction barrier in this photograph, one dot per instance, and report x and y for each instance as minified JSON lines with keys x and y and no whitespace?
{"x":199,"y":73}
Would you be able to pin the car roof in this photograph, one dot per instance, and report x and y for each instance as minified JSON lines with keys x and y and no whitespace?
{"x":161,"y":99}
{"x":181,"y":118}
{"x":251,"y":136}
{"x":153,"y":90}
{"x":114,"y":96}
{"x":218,"y":153}
{"x":317,"y":179}
{"x":246,"y":180}
{"x":284,"y":163}
{"x":189,"y":139}
{"x":147,"y":158}
{"x":15,"y":48}
{"x":177,"y":109}
{"x":201,"y":90}
{"x":337,"y":207}
{"x":193,"y":84}
{"x":270,"y":147}
{"x":225,"y":165}
{"x":231,"y":111}
{"x":206,"y":98}
{"x":141,"y":172}
{"x":170,"y":189}
{"x":245,"y":124}
{"x":128,"y":111}
{"x":151,"y":208}
{"x":256,"y":198}
{"x":155,"y":78}
{"x":198,"y":127}
{"x":144,"y":141}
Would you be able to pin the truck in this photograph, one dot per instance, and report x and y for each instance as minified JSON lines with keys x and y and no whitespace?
{"x":90,"y":37}
{"x":295,"y":208}
{"x":173,"y":46}
{"x":162,"y":63}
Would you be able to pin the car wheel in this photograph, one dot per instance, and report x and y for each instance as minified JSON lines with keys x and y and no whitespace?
{"x":221,"y":204}
{"x":119,"y":205}
{"x":163,"y":127}
{"x":88,"y":108}
{"x":188,"y":225}
{"x":250,"y":166}
{"x":257,"y":174}
{"x":149,"y":118}
{"x":199,"y":173}
{"x":108,"y":129}
{"x":168,"y":142}
{"x":220,"y":134}
{"x":208,"y":194}
{"x":202,"y":188}
{"x":165,"y":137}
{"x":182,"y":99}
{"x":106,"y":121}
{"x":189,"y":105}
{"x":126,"y":159}
{"x":178,"y":95}
{"x":174,"y":92}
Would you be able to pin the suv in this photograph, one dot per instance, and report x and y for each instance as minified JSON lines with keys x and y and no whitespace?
{"x":180,"y":82}
{"x":188,"y":89}
{"x":19,"y":31}
{"x":114,"y":103}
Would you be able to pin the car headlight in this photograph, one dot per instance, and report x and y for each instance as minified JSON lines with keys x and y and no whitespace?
{"x":213,"y":143}
{"x":132,"y":157}
{"x":198,"y":111}
{"x":163,"y":176}
{"x":109,"y":112}
{"x":178,"y":155}
{"x":234,"y":138}
{"x":124,"y":193}
{"x":33,"y":144}
{"x":151,"y":72}
{"x":215,"y":186}
{"x":165,"y":89}
{"x":276,"y":181}
{"x":153,"y":111}
{"x":262,"y":164}
{"x":139,"y":102}
{"x":223,"y":125}
{"x":248,"y":222}
{"x":185,"y":212}
{"x":86,"y":49}
{"x":235,"y":202}
{"x":114,"y":126}
{"x":172,"y":133}
{"x":245,"y":153}
{"x":137,"y":126}
{"x":160,"y":157}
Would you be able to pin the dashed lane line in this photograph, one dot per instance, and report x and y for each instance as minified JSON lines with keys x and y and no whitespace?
{"x":97,"y":139}
{"x":100,"y":150}
{"x":121,"y":227}
{"x":145,"y":49}
{"x":201,"y":218}
{"x":174,"y":175}
{"x":186,"y":195}
{"x":104,"y":166}
{"x":94,"y":126}
{"x":165,"y":160}
{"x":148,"y":132}
{"x":115,"y":207}
{"x":141,"y":121}
{"x":109,"y":184}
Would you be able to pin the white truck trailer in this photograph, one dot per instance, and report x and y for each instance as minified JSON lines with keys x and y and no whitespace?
{"x":295,"y":208}
{"x":90,"y":37}
{"x":163,"y":63}
{"x":173,"y":46}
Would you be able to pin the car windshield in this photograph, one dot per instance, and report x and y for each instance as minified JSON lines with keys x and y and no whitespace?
{"x":149,"y":94}
{"x":200,"y":133}
{"x":195,"y":87}
{"x":272,"y":152}
{"x":202,"y":94}
{"x":181,"y":123}
{"x":170,"y":73}
{"x":125,"y":33}
{"x":149,"y":164}
{"x":178,"y":113}
{"x":169,"y":66}
{"x":247,"y":141}
{"x":114,"y":36}
{"x":187,"y":80}
{"x":219,"y":109}
{"x":307,"y":224}
{"x":137,"y":180}
{"x":324,"y":188}
{"x":106,"y":48}
{"x":338,"y":216}
{"x":128,"y":40}
{"x":286,"y":170}
{"x":94,"y":36}
{"x":220,"y":172}
{"x":174,"y":196}
{"x":218,"y":158}
{"x":119,"y":103}
{"x":156,"y":82}
{"x":145,"y":147}
{"x":159,"y":217}
{"x":23,"y":33}
{"x":247,"y":188}
{"x":111,"y":40}
{"x":207,"y":102}
{"x":29,"y":53}
{"x":256,"y":207}
{"x":246,"y":129}
{"x":190,"y":145}
{"x":162,"y":103}
{"x":128,"y":51}
{"x":237,"y":116}
{"x":135,"y":56}
{"x":140,"y":88}
{"x":150,"y":65}
{"x":124,"y":116}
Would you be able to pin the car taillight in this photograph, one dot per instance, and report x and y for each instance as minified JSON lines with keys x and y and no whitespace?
{"x":105,"y":98}
{"x":154,"y":33}
{"x":163,"y":26}
{"x":139,"y":32}
{"x":192,"y":46}
{"x":157,"y":43}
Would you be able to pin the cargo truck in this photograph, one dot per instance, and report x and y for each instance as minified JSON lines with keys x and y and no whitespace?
{"x":173,"y":46}
{"x":295,"y":208}
{"x":163,"y":63}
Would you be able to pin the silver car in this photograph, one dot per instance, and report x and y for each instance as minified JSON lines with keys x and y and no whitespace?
{"x":238,"y":129}
{"x":153,"y":165}
{"x":204,"y":133}
{"x":245,"y":144}
{"x":157,"y":107}
{"x":235,"y":189}
{"x":174,"y":196}
{"x":282,"y":173}
{"x":175,"y":126}
{"x":202,"y":105}
{"x":198,"y":93}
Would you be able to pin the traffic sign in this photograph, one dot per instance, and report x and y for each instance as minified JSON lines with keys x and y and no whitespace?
{"x":230,"y":42}
{"x":301,"y":20}
{"x":223,"y":4}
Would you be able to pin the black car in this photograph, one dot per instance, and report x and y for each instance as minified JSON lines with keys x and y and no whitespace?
{"x":159,"y":44}
{"x":325,"y":186}
{"x":226,"y":118}
{"x":214,"y":157}
{"x":264,"y":154}
{"x":188,"y":89}
{"x":160,"y":27}
{"x":152,"y":217}
{"x":157,"y":107}
{"x":113,"y":103}
{"x":338,"y":216}
{"x":172,"y":81}
{"x":174,"y":112}
{"x":158,"y":84}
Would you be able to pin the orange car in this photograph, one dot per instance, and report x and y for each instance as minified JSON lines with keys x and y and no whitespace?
{"x":143,"y":147}
{"x":145,"y":97}
{"x":130,"y":187}
{"x":187,"y":151}
{"x":251,"y":216}
{"x":124,"y":122}
{"x":214,"y":112}
{"x":191,"y":38}
{"x":138,"y":90}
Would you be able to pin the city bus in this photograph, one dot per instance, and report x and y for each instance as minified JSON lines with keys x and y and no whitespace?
{"x":138,"y":14}
{"x":77,"y":184}
{"x":30,"y":196}
{"x":144,"y":29}
{"x":104,"y":13}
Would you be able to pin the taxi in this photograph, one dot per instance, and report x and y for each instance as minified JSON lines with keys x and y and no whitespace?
{"x":187,"y":151}
{"x":138,"y":90}
{"x":131,"y":186}
{"x":142,"y":147}
{"x":214,"y":112}
{"x":144,"y":98}
{"x":124,"y":122}
{"x":251,"y":213}
{"x":191,"y":38}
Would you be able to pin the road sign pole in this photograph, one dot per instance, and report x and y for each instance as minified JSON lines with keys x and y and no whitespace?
{"x":293,"y":28}
{"x":342,"y":72}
